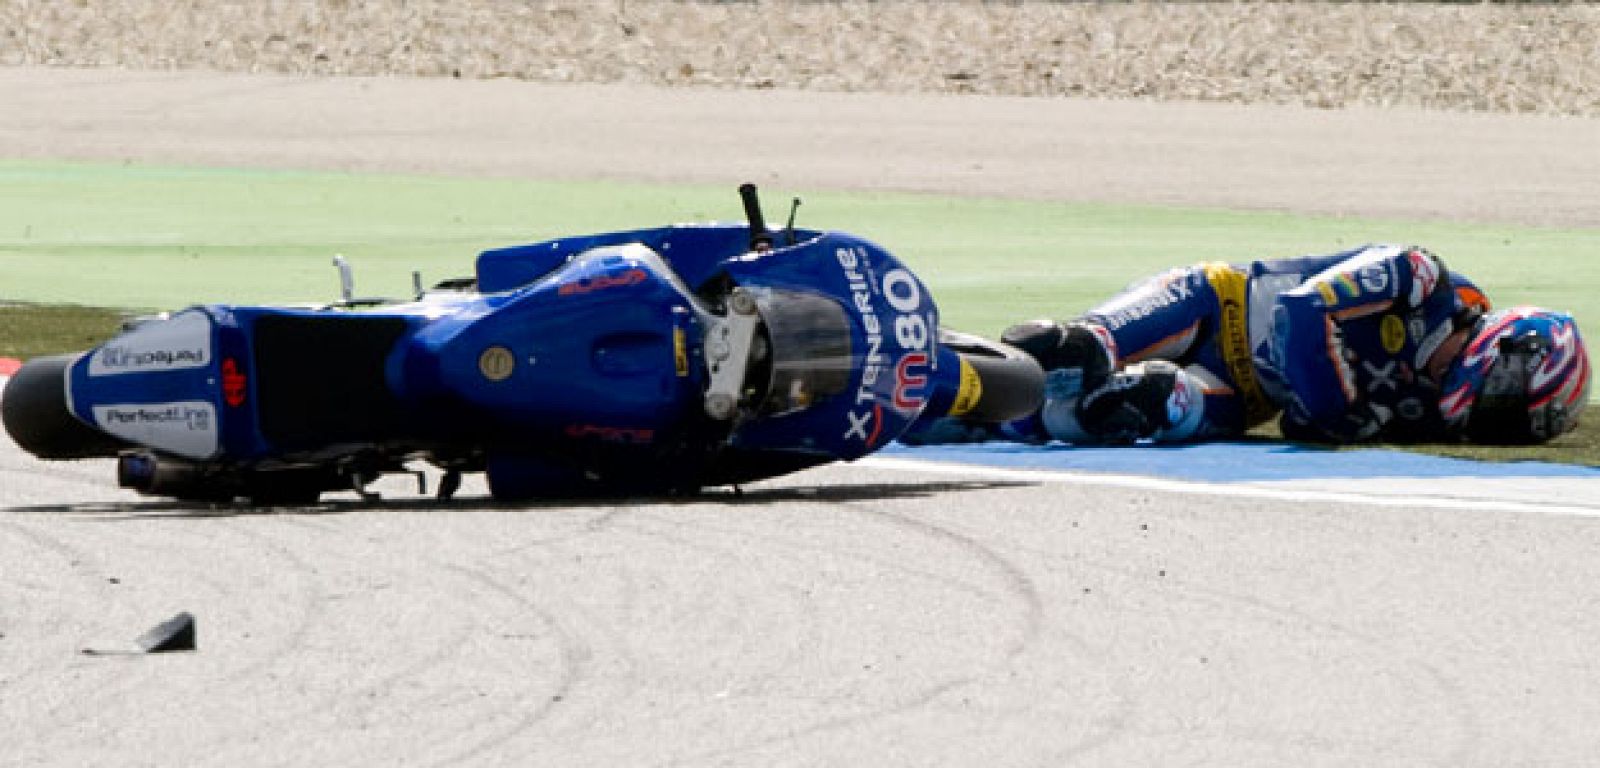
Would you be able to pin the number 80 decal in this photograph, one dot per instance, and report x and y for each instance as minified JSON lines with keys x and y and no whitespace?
{"x":911,"y":332}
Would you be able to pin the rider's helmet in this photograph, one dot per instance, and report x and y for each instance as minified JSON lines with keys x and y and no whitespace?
{"x":1522,"y":377}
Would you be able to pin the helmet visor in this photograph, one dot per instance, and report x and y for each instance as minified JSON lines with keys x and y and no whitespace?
{"x":1501,"y":412}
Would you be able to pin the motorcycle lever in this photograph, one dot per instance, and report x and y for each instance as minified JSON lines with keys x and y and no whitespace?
{"x":794,"y":207}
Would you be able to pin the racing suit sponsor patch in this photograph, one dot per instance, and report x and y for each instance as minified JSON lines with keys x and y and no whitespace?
{"x":1374,"y":278}
{"x":1233,"y":338}
{"x":1424,"y":274}
{"x":1392,"y":332}
{"x":1348,"y":284}
{"x":1143,"y":303}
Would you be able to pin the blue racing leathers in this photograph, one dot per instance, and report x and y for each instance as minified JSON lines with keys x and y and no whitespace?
{"x":1345,"y":349}
{"x":1338,"y":344}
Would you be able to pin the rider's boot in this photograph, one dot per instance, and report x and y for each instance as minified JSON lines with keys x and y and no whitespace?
{"x":1154,"y":399}
{"x":1073,"y":345}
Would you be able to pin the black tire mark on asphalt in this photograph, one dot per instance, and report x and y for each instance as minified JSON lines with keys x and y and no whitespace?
{"x":1019,"y":588}
{"x":1024,"y":588}
{"x":104,"y":683}
{"x":575,"y":655}
{"x":744,"y":564}
{"x":1452,"y":696}
{"x":308,"y":608}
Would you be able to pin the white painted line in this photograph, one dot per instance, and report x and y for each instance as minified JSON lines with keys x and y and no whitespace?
{"x":1229,"y":490}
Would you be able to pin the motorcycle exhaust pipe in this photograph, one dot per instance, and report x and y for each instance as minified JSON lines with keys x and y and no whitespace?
{"x":157,"y":476}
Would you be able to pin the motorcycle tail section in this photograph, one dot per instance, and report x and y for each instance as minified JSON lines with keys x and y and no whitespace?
{"x":162,"y":385}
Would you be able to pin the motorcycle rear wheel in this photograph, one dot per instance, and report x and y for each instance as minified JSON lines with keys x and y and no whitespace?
{"x":1012,"y":382}
{"x":34,"y":410}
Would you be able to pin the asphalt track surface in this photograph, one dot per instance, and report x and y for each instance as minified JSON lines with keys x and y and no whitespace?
{"x":892,"y":612}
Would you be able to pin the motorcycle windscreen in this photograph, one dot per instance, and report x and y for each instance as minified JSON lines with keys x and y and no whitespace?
{"x":889,"y":321}
{"x":807,"y":349}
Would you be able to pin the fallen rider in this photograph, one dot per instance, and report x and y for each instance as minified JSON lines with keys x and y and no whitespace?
{"x":1379,"y":342}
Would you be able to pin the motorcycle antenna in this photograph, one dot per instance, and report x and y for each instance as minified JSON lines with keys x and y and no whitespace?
{"x":794,"y":207}
{"x":760,"y":238}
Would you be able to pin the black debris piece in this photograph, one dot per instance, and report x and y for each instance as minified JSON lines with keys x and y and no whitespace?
{"x":174,"y":634}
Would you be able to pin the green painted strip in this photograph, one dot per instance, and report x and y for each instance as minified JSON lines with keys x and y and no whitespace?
{"x":149,"y":236}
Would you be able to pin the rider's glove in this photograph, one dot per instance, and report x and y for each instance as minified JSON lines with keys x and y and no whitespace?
{"x":1363,"y":421}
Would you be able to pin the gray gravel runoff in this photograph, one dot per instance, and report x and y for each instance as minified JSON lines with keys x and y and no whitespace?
{"x":1494,"y":57}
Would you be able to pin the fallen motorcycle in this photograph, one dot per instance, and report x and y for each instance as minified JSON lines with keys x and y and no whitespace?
{"x":648,"y":361}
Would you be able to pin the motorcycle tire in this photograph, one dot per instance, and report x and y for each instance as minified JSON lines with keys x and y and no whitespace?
{"x":34,"y":410}
{"x":1012,"y":381}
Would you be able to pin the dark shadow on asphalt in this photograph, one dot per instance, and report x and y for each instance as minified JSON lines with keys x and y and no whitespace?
{"x":157,"y":509}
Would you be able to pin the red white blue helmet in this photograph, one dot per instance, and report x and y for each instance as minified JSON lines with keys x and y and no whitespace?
{"x":1523,"y":377}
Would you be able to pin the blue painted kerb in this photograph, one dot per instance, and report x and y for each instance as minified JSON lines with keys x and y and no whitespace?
{"x":1232,"y":462}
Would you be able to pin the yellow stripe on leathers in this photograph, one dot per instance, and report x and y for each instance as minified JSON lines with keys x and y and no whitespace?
{"x":1233,"y":338}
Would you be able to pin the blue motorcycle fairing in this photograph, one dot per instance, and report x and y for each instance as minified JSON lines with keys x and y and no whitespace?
{"x":582,"y":360}
{"x":695,"y":252}
{"x":900,"y":368}
{"x":893,"y":345}
{"x":606,"y":348}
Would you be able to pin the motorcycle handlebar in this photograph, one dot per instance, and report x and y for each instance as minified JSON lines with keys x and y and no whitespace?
{"x":760,"y":238}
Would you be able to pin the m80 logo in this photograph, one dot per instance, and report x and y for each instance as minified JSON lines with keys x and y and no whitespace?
{"x":912,"y":334}
{"x":905,"y":296}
